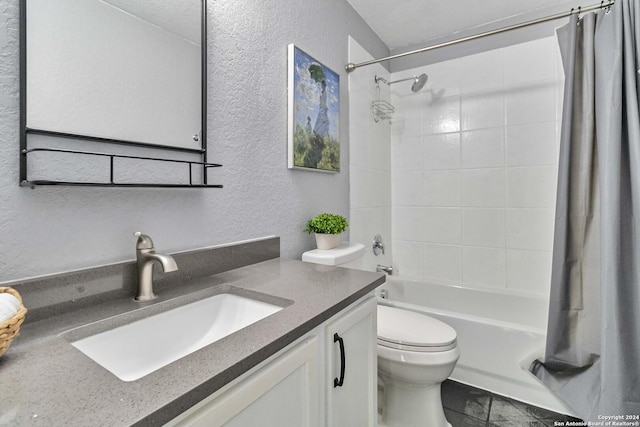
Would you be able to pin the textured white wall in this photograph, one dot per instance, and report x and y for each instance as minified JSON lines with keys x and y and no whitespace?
{"x":53,"y":229}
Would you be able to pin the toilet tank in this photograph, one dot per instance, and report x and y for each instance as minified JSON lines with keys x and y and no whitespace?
{"x":346,"y":255}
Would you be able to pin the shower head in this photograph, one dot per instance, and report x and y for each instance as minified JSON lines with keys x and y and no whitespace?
{"x":418,"y":81}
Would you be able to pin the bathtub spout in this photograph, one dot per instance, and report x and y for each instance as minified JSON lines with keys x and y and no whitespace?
{"x":384,"y":269}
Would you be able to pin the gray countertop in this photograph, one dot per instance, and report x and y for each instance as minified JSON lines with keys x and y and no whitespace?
{"x":45,"y":381}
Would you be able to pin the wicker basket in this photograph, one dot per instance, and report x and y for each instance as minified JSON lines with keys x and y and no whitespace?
{"x":9,"y":328}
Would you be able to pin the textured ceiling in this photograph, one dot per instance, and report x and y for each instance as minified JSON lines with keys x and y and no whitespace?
{"x":408,"y":22}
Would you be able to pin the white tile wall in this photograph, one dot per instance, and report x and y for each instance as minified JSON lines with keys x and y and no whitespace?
{"x":409,"y":124}
{"x":528,"y":271}
{"x":407,"y":188}
{"x":484,"y":227}
{"x":483,"y":187}
{"x":369,"y":159}
{"x":530,"y":187}
{"x":530,"y":229}
{"x":441,"y":115}
{"x":444,"y":80}
{"x":530,"y":62}
{"x":474,"y":166}
{"x":531,"y":144}
{"x":440,"y":188}
{"x":484,"y":267}
{"x":408,"y":259}
{"x":408,"y":154}
{"x":482,"y":110}
{"x":483,"y":72}
{"x":530,"y":103}
{"x":483,"y":148}
{"x":443,"y":262}
{"x":407,"y":224}
{"x":440,"y":151}
{"x":440,"y":225}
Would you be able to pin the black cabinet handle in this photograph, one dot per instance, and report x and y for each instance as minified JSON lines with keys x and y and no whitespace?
{"x":338,"y":382}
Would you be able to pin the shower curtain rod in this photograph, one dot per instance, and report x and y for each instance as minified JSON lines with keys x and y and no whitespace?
{"x":352,"y":67}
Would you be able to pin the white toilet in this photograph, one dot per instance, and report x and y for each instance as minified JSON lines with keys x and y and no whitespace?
{"x":416,"y":353}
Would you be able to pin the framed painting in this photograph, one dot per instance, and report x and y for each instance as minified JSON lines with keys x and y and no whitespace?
{"x":314,"y":114}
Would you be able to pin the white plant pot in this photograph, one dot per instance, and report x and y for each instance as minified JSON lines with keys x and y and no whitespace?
{"x":327,"y":241}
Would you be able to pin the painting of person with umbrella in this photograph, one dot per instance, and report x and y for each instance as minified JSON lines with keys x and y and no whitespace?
{"x":316,"y":93}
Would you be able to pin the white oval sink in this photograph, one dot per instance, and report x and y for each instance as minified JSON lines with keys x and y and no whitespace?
{"x":143,"y":346}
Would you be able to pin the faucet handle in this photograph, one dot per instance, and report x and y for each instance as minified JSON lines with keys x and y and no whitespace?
{"x":378,"y":245}
{"x":144,"y":241}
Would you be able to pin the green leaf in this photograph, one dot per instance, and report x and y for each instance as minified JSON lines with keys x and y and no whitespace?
{"x":327,"y":223}
{"x":316,"y":73}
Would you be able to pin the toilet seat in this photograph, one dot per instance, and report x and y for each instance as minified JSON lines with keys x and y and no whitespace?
{"x":410,"y":331}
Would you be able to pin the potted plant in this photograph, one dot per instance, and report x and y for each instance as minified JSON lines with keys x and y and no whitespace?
{"x":327,"y":228}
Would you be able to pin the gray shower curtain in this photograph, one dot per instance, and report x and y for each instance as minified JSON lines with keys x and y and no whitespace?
{"x":592,"y":359}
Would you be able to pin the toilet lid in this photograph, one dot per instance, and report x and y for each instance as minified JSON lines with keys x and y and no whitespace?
{"x":404,"y":329}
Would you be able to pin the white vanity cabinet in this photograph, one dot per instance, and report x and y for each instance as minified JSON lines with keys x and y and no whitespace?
{"x":300,"y":386}
{"x":281,"y":393}
{"x":352,"y":367}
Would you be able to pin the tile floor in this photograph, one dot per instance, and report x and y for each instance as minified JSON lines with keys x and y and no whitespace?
{"x":467,"y":406}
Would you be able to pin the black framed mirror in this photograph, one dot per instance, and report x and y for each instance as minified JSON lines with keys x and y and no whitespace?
{"x":109,"y":73}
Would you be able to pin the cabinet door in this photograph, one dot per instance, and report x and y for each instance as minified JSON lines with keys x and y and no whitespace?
{"x":281,"y":394}
{"x":352,"y":367}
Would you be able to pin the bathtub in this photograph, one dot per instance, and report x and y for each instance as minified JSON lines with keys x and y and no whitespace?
{"x":499,"y":335}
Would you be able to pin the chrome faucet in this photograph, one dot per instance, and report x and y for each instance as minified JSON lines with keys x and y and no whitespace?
{"x":378,"y":245}
{"x":384,"y":269}
{"x":145,"y":256}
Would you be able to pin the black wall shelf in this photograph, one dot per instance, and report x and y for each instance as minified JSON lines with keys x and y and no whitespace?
{"x":202,"y":165}
{"x":112,"y":181}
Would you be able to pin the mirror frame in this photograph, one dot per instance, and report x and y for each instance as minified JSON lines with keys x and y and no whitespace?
{"x":25,"y":131}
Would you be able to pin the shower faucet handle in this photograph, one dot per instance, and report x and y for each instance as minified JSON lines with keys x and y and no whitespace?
{"x":378,"y":245}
